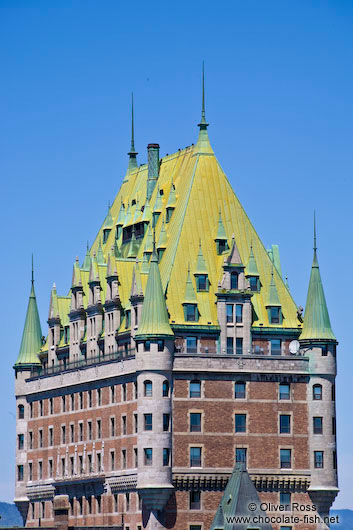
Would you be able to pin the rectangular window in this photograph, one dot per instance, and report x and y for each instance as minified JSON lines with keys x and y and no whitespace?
{"x":90,"y":466}
{"x":99,"y":504}
{"x":127,"y":501}
{"x":334,"y":425}
{"x":284,"y":391}
{"x":275,"y":315}
{"x":195,"y":527}
{"x":239,"y":314}
{"x":112,"y":460}
{"x":112,"y":427}
{"x":124,"y":392}
{"x":51,"y":406}
{"x":99,"y":428}
{"x":318,"y":459}
{"x":240,"y":423}
{"x":90,"y":398}
{"x":195,"y":389}
{"x":72,"y":465}
{"x":20,"y":472}
{"x":72,"y":433}
{"x":112,"y":394}
{"x":240,"y":454}
{"x":239,"y":346}
{"x":63,"y":403}
{"x":63,"y":434}
{"x":147,"y":457}
{"x":195,"y":456}
{"x":30,"y":471}
{"x":89,"y":429}
{"x":190,"y":313}
{"x":286,"y":458}
{"x":253,"y":283}
{"x":99,"y":462}
{"x":334,"y":459}
{"x":30,"y":439}
{"x":41,"y":408}
{"x":31,"y":412}
{"x":195,"y":422}
{"x":230,"y":313}
{"x":40,"y":434}
{"x":21,"y":441}
{"x":81,"y":400}
{"x":276,"y":346}
{"x":201,"y":280}
{"x":230,"y":345}
{"x":123,"y":425}
{"x":80,"y":431}
{"x":285,"y":500}
{"x":136,"y":457}
{"x":99,"y":397}
{"x":50,"y":465}
{"x":195,"y":500}
{"x":284,"y":423}
{"x":136,"y":423}
{"x":123,"y":458}
{"x":191,"y":344}
{"x":72,"y":401}
{"x":324,"y":350}
{"x":240,"y":390}
{"x":148,"y":422}
{"x":166,"y":456}
{"x":166,"y":422}
{"x":317,"y":424}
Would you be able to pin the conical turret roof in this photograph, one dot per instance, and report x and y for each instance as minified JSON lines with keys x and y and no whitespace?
{"x":190,"y":295}
{"x":251,"y":268}
{"x":87,"y":261}
{"x":31,"y":342}
{"x":273,"y":299}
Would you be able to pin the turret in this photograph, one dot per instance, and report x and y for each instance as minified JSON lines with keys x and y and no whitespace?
{"x":154,"y":357}
{"x":319,"y":343}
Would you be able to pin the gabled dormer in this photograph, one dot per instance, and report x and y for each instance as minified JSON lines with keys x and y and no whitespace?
{"x":273,"y":305}
{"x":191,"y":313}
{"x":233,"y":275}
{"x":120,"y":222}
{"x":107,"y":226}
{"x":252,"y":272}
{"x":94,"y":297}
{"x":100,"y":254}
{"x":162,"y":242}
{"x":76,"y":288}
{"x":221,"y":239}
{"x":158,"y":206}
{"x":112,"y":279}
{"x":201,"y":273}
{"x":171,"y":203}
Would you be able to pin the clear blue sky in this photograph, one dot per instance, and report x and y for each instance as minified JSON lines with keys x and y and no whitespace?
{"x":279,"y":101}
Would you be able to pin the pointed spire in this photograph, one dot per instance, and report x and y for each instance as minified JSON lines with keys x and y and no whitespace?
{"x":203,"y":144}
{"x":203,"y":124}
{"x":172,"y":197}
{"x":93,"y":272}
{"x":31,"y":342}
{"x":251,"y":268}
{"x":234,"y":256}
{"x":108,"y":223}
{"x":117,"y":250}
{"x":111,"y":264}
{"x":136,"y":285}
{"x":201,"y":267}
{"x":273,"y":299}
{"x":190,"y":295}
{"x":154,"y":321}
{"x":132,"y":153}
{"x":121,"y":216}
{"x":221,"y":233}
{"x":149,"y":241}
{"x":76,"y":275}
{"x":100,"y":255}
{"x":162,"y":241}
{"x":158,"y":205}
{"x":145,"y":264}
{"x":87,"y":261}
{"x":317,"y":325}
{"x":53,"y":304}
{"x":133,"y":246}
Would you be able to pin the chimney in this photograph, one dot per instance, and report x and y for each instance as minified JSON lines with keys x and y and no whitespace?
{"x":153,"y":168}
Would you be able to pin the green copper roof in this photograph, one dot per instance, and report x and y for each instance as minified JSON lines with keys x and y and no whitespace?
{"x":87,"y":261}
{"x":172,"y":197}
{"x":117,"y":249}
{"x":162,"y":241}
{"x":201,"y":267}
{"x":317,"y":323}
{"x":76,"y":275}
{"x":136,"y":286}
{"x":31,"y":342}
{"x":121,"y":216}
{"x":190,"y":295}
{"x":93,"y":272}
{"x":221,"y":233}
{"x":273,"y":299}
{"x":127,"y":215}
{"x":251,"y":268}
{"x":149,"y":240}
{"x":154,"y":319}
{"x":133,"y":245}
{"x":239,"y":493}
{"x":111,"y":265}
{"x":147,"y":214}
{"x":158,"y":205}
{"x":108,"y":223}
{"x":100,"y":255}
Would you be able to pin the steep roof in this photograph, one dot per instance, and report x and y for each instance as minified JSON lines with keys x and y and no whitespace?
{"x":317,"y":323}
{"x":31,"y":342}
{"x":239,"y":493}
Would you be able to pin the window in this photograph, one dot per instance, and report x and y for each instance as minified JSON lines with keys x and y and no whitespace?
{"x":234,"y":280}
{"x":124,"y":392}
{"x":99,"y":428}
{"x":230,"y":345}
{"x":276,"y":346}
{"x":63,"y":403}
{"x":285,"y":500}
{"x":285,"y":458}
{"x":317,"y":425}
{"x":253,"y":280}
{"x":21,"y":440}
{"x":195,"y":500}
{"x":89,"y":429}
{"x":165,"y":388}
{"x":112,"y":427}
{"x":30,"y":471}
{"x":195,"y":456}
{"x":334,"y":425}
{"x":127,"y":501}
{"x":160,"y":345}
{"x":333,"y":392}
{"x":148,"y":422}
{"x":147,"y":457}
{"x":284,"y":391}
{"x":317,"y":392}
{"x":30,"y":439}
{"x":334,"y":459}
{"x":63,"y":434}
{"x":72,"y":433}
{"x":240,"y":423}
{"x":128,"y":319}
{"x":136,"y":423}
{"x":324,"y":350}
{"x":191,"y":313}
{"x":148,"y":388}
{"x":240,"y":391}
{"x":31,"y":412}
{"x":202,"y":282}
{"x":318,"y":459}
{"x":230,"y":313}
{"x":284,"y":424}
{"x":147,"y":345}
{"x":123,"y":425}
{"x":81,"y":400}
{"x":191,"y":344}
{"x":41,"y":407}
{"x":21,"y":412}
{"x":90,"y":398}
{"x":20,"y":472}
{"x":99,"y":462}
{"x":136,"y":457}
{"x":195,"y":422}
{"x":123,"y":458}
{"x":40,"y":435}
{"x":239,"y":313}
{"x":166,"y":422}
{"x":99,"y":504}
{"x":195,"y":527}
{"x":72,"y":401}
{"x":50,"y":465}
{"x":239,"y":346}
{"x":240,"y":454}
{"x":72,"y":465}
{"x":195,"y":389}
{"x":112,"y":460}
{"x":112,"y":394}
{"x":80,"y":431}
{"x":90,"y":466}
{"x":275,"y":315}
{"x":51,"y":406}
{"x":99,"y":397}
{"x":166,"y":456}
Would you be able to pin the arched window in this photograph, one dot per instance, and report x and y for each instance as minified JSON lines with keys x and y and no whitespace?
{"x":195,"y":389}
{"x":148,"y":388}
{"x":21,"y":412}
{"x":234,"y":280}
{"x":165,"y":388}
{"x":317,"y":392}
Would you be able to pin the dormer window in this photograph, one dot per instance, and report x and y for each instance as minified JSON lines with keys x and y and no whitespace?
{"x":160,"y":253}
{"x":275,"y":315}
{"x":190,"y":313}
{"x":106,"y":233}
{"x":202,"y":282}
{"x":234,"y":280}
{"x":128,"y":319}
{"x":254,"y":283}
{"x":221,"y":246}
{"x":169,"y":214}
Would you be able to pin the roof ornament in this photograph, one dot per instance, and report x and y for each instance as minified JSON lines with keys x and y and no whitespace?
{"x":32,"y":280}
{"x":315,"y":246}
{"x":203,"y":123}
{"x":132,"y":153}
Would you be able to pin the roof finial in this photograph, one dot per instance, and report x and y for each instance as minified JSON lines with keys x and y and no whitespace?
{"x":32,"y":280}
{"x":315,"y":247}
{"x":203,"y":124}
{"x":132,"y":153}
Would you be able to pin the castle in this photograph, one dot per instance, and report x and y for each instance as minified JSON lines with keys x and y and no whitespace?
{"x":177,"y":352}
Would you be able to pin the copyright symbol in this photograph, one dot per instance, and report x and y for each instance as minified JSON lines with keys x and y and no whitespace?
{"x":252,"y":506}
